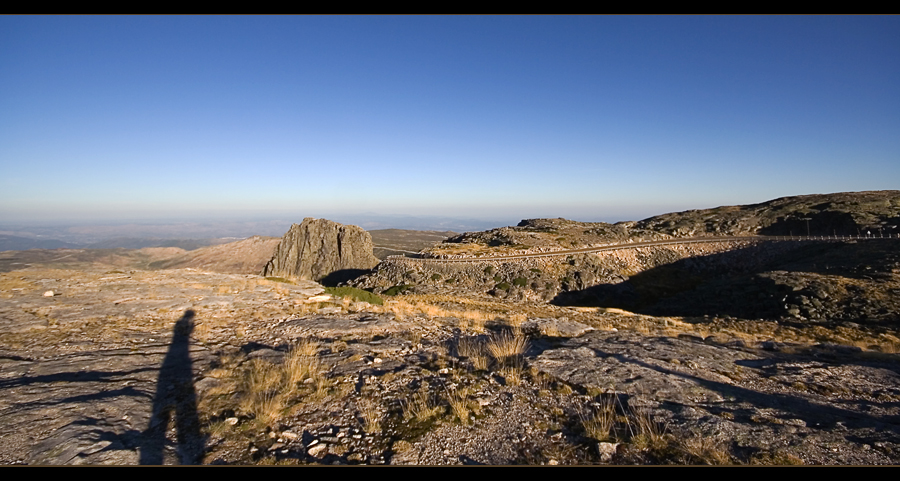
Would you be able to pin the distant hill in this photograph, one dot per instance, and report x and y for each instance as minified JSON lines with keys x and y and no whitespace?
{"x":247,"y":256}
{"x":141,"y":242}
{"x":19,"y":243}
{"x":16,"y":243}
{"x":844,"y":213}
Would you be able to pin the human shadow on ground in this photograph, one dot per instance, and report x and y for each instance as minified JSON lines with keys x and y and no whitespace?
{"x":175,"y":395}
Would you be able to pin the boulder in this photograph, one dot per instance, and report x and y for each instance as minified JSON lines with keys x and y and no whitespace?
{"x":322,"y":250}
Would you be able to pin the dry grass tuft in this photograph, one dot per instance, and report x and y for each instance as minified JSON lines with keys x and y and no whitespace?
{"x":705,"y":450}
{"x":646,"y":433}
{"x":507,"y":348}
{"x":420,"y":407}
{"x":507,"y":344}
{"x":459,"y":405}
{"x":473,"y":349}
{"x":302,"y":364}
{"x":265,"y":390}
{"x":262,"y":397}
{"x":370,"y":414}
{"x":600,"y":423}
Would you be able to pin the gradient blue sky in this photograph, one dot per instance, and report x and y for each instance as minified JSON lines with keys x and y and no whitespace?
{"x":591,"y":118}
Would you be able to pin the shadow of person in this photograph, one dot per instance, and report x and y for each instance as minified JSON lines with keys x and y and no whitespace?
{"x":175,"y":392}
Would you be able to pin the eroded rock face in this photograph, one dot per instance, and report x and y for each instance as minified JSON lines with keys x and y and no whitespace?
{"x":320,"y":248}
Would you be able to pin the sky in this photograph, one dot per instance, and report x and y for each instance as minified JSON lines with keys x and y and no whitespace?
{"x":592,"y":118}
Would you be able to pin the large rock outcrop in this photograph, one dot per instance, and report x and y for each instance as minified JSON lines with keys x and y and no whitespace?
{"x":319,"y":249}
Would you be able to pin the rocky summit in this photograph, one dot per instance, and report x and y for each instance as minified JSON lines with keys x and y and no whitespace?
{"x":322,"y":250}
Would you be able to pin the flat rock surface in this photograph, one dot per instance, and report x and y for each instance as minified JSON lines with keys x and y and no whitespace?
{"x":127,"y":367}
{"x":80,"y":371}
{"x":820,"y":404}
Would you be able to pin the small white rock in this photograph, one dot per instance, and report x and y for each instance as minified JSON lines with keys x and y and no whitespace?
{"x":607,"y":451}
{"x":318,"y":450}
{"x":48,"y":294}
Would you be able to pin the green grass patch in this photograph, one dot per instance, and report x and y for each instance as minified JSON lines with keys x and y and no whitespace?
{"x":355,"y":294}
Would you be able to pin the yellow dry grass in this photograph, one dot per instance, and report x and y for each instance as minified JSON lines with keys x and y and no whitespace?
{"x":459,"y":404}
{"x":261,"y":387}
{"x":420,"y":407}
{"x":301,"y":364}
{"x":264,"y":389}
{"x":507,"y":344}
{"x":705,"y":450}
{"x":599,"y":424}
{"x":12,"y":282}
{"x":646,"y":432}
{"x":473,"y":349}
{"x":370,"y":414}
{"x":473,"y":320}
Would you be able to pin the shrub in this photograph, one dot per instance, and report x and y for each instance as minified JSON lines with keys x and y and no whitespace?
{"x":504,"y":286}
{"x":355,"y":294}
{"x":489,"y":270}
{"x":520,"y":281}
{"x":435,"y":277}
{"x":395,"y":290}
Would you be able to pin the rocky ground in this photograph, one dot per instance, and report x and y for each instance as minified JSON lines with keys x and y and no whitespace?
{"x":185,"y":366}
{"x":736,"y":352}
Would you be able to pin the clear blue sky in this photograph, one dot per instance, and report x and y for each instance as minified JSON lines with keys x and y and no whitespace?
{"x":591,"y":118}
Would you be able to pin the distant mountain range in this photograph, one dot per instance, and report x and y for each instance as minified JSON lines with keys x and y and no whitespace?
{"x":16,"y":243}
